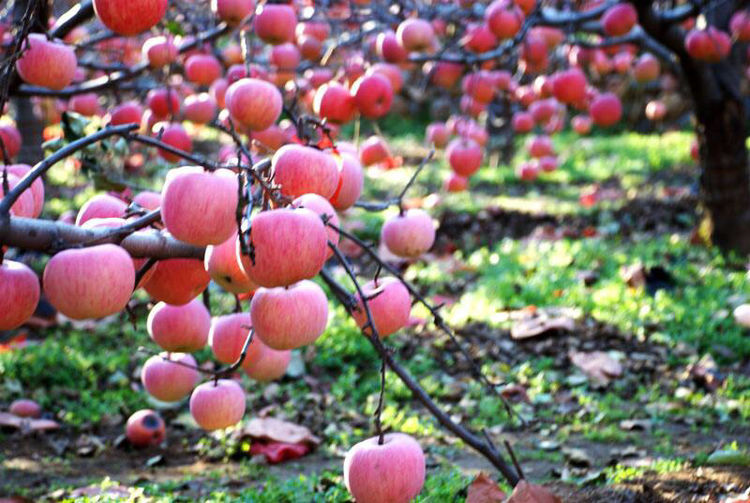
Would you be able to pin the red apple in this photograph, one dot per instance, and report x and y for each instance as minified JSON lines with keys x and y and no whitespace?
{"x":415,"y":34}
{"x":464,"y":156}
{"x":373,"y":95}
{"x":101,"y":206}
{"x":301,"y":170}
{"x":216,"y":405}
{"x":269,"y":365}
{"x":228,"y":335}
{"x":548,"y":163}
{"x":334,"y":102}
{"x":159,"y":51}
{"x":86,"y":104}
{"x":36,"y":189}
{"x":437,"y":134}
{"x":47,"y":63}
{"x":91,"y":282}
{"x":200,"y":108}
{"x":389,"y":303}
{"x":177,"y":281}
{"x":503,"y":18}
{"x":351,"y":182}
{"x":174,"y":135}
{"x":646,"y":68}
{"x":285,"y":56}
{"x":445,"y":74}
{"x":606,"y":110}
{"x":179,"y":328}
{"x":569,"y":86}
{"x":223,"y":266}
{"x":170,"y":377}
{"x":131,"y":17}
{"x":255,"y":104}
{"x":148,"y":200}
{"x":19,"y":294}
{"x":619,"y":19}
{"x":393,"y":471}
{"x":655,"y":110}
{"x":202,"y":69}
{"x":739,"y":25}
{"x":275,"y":23}
{"x":163,"y":102}
{"x":581,"y":124}
{"x":408,"y":235}
{"x":523,"y":122}
{"x":11,"y":139}
{"x":389,"y":48}
{"x":540,"y":146}
{"x":129,"y":112}
{"x":145,"y":428}
{"x":455,"y":183}
{"x":232,"y":11}
{"x":24,"y":407}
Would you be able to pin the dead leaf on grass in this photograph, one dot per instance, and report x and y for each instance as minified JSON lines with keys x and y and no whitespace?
{"x":540,"y":324}
{"x":525,"y":492}
{"x":597,"y":365}
{"x":270,"y":429}
{"x":484,"y":490}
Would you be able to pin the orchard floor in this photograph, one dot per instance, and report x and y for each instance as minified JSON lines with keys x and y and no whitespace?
{"x":504,"y":251}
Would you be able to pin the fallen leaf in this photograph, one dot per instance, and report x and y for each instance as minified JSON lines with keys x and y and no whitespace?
{"x":278,"y":452}
{"x":515,"y":393}
{"x":634,"y":275}
{"x":27,"y":425}
{"x":484,"y":490}
{"x":270,"y":429}
{"x":525,"y":492}
{"x":597,"y":365}
{"x":540,"y":324}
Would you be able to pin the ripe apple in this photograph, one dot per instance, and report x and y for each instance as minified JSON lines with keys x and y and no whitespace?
{"x":289,"y":317}
{"x":129,"y":112}
{"x":619,"y":19}
{"x":389,"y":303}
{"x":569,"y":86}
{"x":232,"y":11}
{"x":374,"y":150}
{"x":581,"y":124}
{"x":301,"y":170}
{"x":464,"y":156}
{"x":216,"y":405}
{"x":199,"y":207}
{"x":540,"y":146}
{"x":646,"y":68}
{"x":334,"y":102}
{"x":19,"y":294}
{"x":351,"y":181}
{"x":373,"y":95}
{"x":159,"y":51}
{"x":504,"y":18}
{"x":36,"y":189}
{"x":710,"y":45}
{"x":131,"y":17}
{"x":285,"y":56}
{"x":309,"y":47}
{"x":11,"y":139}
{"x":25,"y":407}
{"x":438,"y":134}
{"x":409,"y":235}
{"x":202,"y":69}
{"x":445,"y":74}
{"x":85,"y":104}
{"x":275,"y":23}
{"x":739,"y":25}
{"x":179,"y":328}
{"x":223,"y":266}
{"x":163,"y":103}
{"x":200,"y":108}
{"x":548,"y":163}
{"x":390,"y":49}
{"x":91,"y":282}
{"x":606,"y":110}
{"x":523,"y":122}
{"x":255,"y":104}
{"x":389,"y":71}
{"x":268,"y":365}
{"x":145,"y":428}
{"x":742,"y":315}
{"x":174,"y":135}
{"x":101,"y":206}
{"x":168,"y":381}
{"x":47,"y":63}
{"x":416,"y":34}
{"x":393,"y":471}
{"x":228,"y":335}
{"x":177,"y":281}
{"x":455,"y":183}
{"x":322,"y":207}
{"x":289,"y":244}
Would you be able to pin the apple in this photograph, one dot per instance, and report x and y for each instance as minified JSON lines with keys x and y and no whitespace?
{"x":223,"y":266}
{"x":202,"y":69}
{"x":11,"y":139}
{"x":655,"y":110}
{"x":174,"y":135}
{"x":145,"y":428}
{"x":148,"y":200}
{"x":479,"y":38}
{"x":289,"y":317}
{"x":373,"y":95}
{"x":131,"y":17}
{"x":445,"y":74}
{"x":200,"y":108}
{"x":268,"y":365}
{"x":542,"y":111}
{"x":199,"y":207}
{"x":322,"y":207}
{"x":646,"y":68}
{"x":289,"y":244}
{"x":255,"y":104}
{"x":179,"y":328}
{"x":91,"y":282}
{"x":47,"y":63}
{"x":101,"y":206}
{"x":393,"y":471}
{"x":389,"y":71}
{"x":548,"y":163}
{"x":285,"y":56}
{"x":523,"y":122}
{"x":742,"y":315}
{"x":540,"y":146}
{"x":390,"y":49}
{"x":25,"y":407}
{"x":416,"y":34}
{"x":170,"y":377}
{"x":177,"y":281}
{"x":232,"y":11}
{"x":739,"y":25}
{"x":480,"y":86}
{"x":218,"y":404}
{"x":464,"y":156}
{"x":619,"y":19}
{"x":569,"y":86}
{"x":374,"y":150}
{"x":316,"y":28}
{"x":709,"y":45}
{"x":389,"y":303}
{"x":622,"y":62}
{"x":351,"y":181}
{"x":36,"y":189}
{"x":86,"y":104}
{"x":581,"y":124}
{"x":19,"y":294}
{"x":159,"y":51}
{"x":228,"y":335}
{"x":455,"y":183}
{"x":606,"y":110}
{"x":163,"y":103}
{"x":410,"y":234}
{"x":129,"y":112}
{"x":219,"y":91}
{"x":504,"y":18}
{"x":275,"y":23}
{"x":300,"y":170}
{"x":310,"y":47}
{"x":334,"y":102}
{"x":437,"y":134}
{"x":695,"y":151}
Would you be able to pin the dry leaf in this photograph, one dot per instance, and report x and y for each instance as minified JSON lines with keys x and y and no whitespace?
{"x":484,"y":490}
{"x":526,"y":492}
{"x":634,"y":275}
{"x":597,"y":365}
{"x":538,"y":325}
{"x":270,"y":429}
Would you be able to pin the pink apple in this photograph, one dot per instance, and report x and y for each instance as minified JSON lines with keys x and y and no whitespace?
{"x":374,"y":150}
{"x":289,"y":317}
{"x":37,"y":187}
{"x":24,"y":407}
{"x":464,"y":156}
{"x":569,"y":86}
{"x":392,"y":472}
{"x":606,"y":110}
{"x":169,"y":377}
{"x":11,"y":139}
{"x":619,"y":19}
{"x":351,"y":181}
{"x":85,"y":104}
{"x":91,"y":282}
{"x":163,"y":103}
{"x":373,"y":95}
{"x":216,"y":405}
{"x":523,"y":122}
{"x":389,"y":71}
{"x":223,"y":266}
{"x":148,"y":200}
{"x":655,"y":110}
{"x":179,"y":328}
{"x":455,"y":183}
{"x":479,"y":85}
{"x":47,"y":63}
{"x":322,"y":207}
{"x":145,"y":428}
{"x":275,"y":23}
{"x":202,"y":69}
{"x":739,"y":25}
{"x":540,"y":146}
{"x":19,"y":294}
{"x":408,"y":235}
{"x":159,"y":51}
{"x":504,"y":18}
{"x":131,"y":17}
{"x":290,"y":245}
{"x":285,"y":56}
{"x":437,"y":134}
{"x":445,"y":74}
{"x":301,"y":170}
{"x":232,"y":11}
{"x":101,"y":206}
{"x":334,"y":102}
{"x":268,"y":365}
{"x":255,"y":104}
{"x":415,"y":34}
{"x":581,"y":124}
{"x":200,"y":108}
{"x":174,"y":135}
{"x":228,"y":335}
{"x":129,"y":112}
{"x":389,"y":48}
{"x":199,"y":207}
{"x":548,"y":163}
{"x":647,"y":68}
{"x":177,"y":281}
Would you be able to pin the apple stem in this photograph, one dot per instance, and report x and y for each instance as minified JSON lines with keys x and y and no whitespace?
{"x":379,"y":410}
